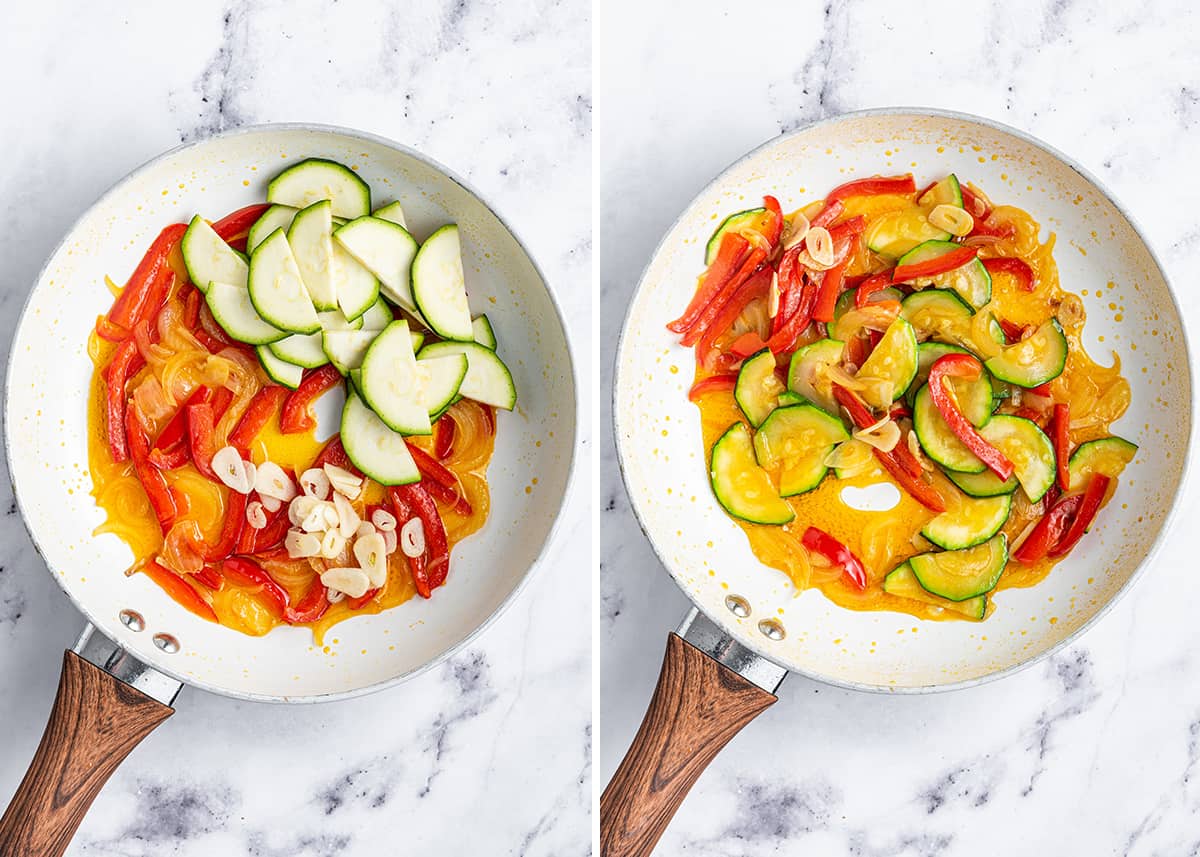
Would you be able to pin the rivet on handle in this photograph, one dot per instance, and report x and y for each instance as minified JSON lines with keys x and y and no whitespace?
{"x":738,"y":606}
{"x":132,"y":620}
{"x":772,"y":629}
{"x":167,"y":643}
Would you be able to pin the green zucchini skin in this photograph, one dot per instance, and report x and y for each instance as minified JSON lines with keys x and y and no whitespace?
{"x":743,"y":488}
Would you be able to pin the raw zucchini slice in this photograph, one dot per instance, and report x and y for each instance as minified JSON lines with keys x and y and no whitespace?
{"x":439,"y":287}
{"x":971,"y":281}
{"x":894,"y":360}
{"x":750,"y":219}
{"x":757,"y":389}
{"x":377,"y":317}
{"x":280,"y":371}
{"x":488,"y":379}
{"x":301,"y":349}
{"x":845,"y":303}
{"x":209,"y":259}
{"x":356,"y":288}
{"x":484,"y":334}
{"x":346,"y":348}
{"x":976,"y":399}
{"x":1106,"y":455}
{"x":440,"y":379}
{"x":392,"y":213}
{"x":1035,"y":360}
{"x":231,"y":307}
{"x":742,"y":487}
{"x":391,"y":382}
{"x":895,"y":233}
{"x":945,"y":192}
{"x":808,"y":373}
{"x":315,"y":179}
{"x":985,"y":484}
{"x":902,"y":582}
{"x":1027,"y":447}
{"x":796,"y":440}
{"x":962,"y":574}
{"x":355,"y":379}
{"x":275,"y":217}
{"x":310,"y":237}
{"x":939,"y":442}
{"x":387,"y":251}
{"x":276,"y":288}
{"x":374,"y":448}
{"x":972,"y":523}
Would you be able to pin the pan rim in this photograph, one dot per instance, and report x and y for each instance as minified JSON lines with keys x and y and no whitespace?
{"x":572,"y":463}
{"x":1169,"y":520}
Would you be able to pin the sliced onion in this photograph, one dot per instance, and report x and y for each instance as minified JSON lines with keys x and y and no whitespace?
{"x":773,"y":296}
{"x":837,"y":375}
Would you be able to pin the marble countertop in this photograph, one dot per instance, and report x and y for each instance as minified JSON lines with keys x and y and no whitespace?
{"x":467,"y":759}
{"x":1094,"y":751}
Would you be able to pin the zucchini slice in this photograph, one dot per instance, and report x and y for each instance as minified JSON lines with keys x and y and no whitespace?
{"x":945,"y":192}
{"x":976,"y":398}
{"x":276,"y":288}
{"x":787,"y":397}
{"x":985,"y":484}
{"x":309,"y":236}
{"x":938,"y":313}
{"x":315,"y":179}
{"x":487,"y":380}
{"x":439,"y":287}
{"x":387,"y":250}
{"x":391,"y":383}
{"x":346,"y":348}
{"x":209,"y":259}
{"x":750,"y":219}
{"x":280,"y":371}
{"x":962,"y":574}
{"x":742,"y":487}
{"x":757,"y":389}
{"x":895,"y":233}
{"x":484,"y":335}
{"x":972,"y":523}
{"x":808,"y":373}
{"x":796,"y":440}
{"x":356,"y":288}
{"x":939,"y":442}
{"x":1027,"y":447}
{"x":893,"y":360}
{"x":374,"y":448}
{"x":1035,"y":360}
{"x":275,"y":217}
{"x":845,"y":303}
{"x":377,"y":316}
{"x":392,"y":213}
{"x":1106,"y":455}
{"x":902,"y":582}
{"x":971,"y":281}
{"x":301,"y":349}
{"x":231,"y":307}
{"x":440,"y":379}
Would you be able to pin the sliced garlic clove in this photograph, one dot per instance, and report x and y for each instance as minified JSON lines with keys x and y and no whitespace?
{"x":329,"y":510}
{"x":314,"y":521}
{"x":955,"y":220}
{"x":412,"y":538}
{"x":352,"y":581}
{"x":271,"y":481}
{"x":333,"y":596}
{"x":371,"y":554}
{"x":315,"y":483}
{"x":332,"y":544}
{"x":271,"y":504}
{"x":390,"y":542}
{"x":347,"y":518}
{"x":819,"y":244}
{"x":301,"y":545}
{"x":300,"y":508}
{"x":364,"y":529}
{"x":230,"y":469}
{"x":343,"y":481}
{"x":383,"y":520}
{"x":256,"y":515}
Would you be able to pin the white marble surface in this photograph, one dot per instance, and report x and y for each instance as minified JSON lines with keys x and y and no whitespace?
{"x":1092,"y":752}
{"x":489,"y":754}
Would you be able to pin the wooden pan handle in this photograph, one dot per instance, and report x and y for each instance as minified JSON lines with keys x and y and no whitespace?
{"x":95,"y":722}
{"x":697,"y":707}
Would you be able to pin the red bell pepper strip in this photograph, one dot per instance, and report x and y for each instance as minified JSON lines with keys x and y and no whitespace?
{"x":175,"y":430}
{"x":297,"y":407}
{"x":872,"y":187}
{"x":869,"y":286}
{"x":791,"y":286}
{"x":1042,"y":390}
{"x":1062,"y":444}
{"x":106,"y":330}
{"x":443,"y":443}
{"x":732,"y":250}
{"x":845,"y":238}
{"x":1012,"y":331}
{"x":713,"y":384}
{"x":209,"y":576}
{"x":747,"y":344}
{"x":133,"y":304}
{"x":434,"y":473}
{"x":221,"y":401}
{"x":246,"y":572}
{"x":125,"y":363}
{"x":155,"y":485}
{"x":410,"y":499}
{"x":191,"y":308}
{"x":753,"y":288}
{"x":993,"y":228}
{"x":256,"y":416}
{"x":820,"y":542}
{"x":974,"y":204}
{"x":1017,"y":267}
{"x":1048,"y":531}
{"x":231,"y":528}
{"x":964,"y":366}
{"x":827,"y":215}
{"x":262,"y":542}
{"x":783,"y":340}
{"x":858,"y":349}
{"x":237,"y":224}
{"x":899,"y":463}
{"x":713,"y":311}
{"x":171,"y":458}
{"x":771,"y":204}
{"x":201,"y":444}
{"x":357,"y":603}
{"x":180,"y":590}
{"x":334,"y":453}
{"x":311,"y":607}
{"x":1093,"y":496}
{"x":932,"y":267}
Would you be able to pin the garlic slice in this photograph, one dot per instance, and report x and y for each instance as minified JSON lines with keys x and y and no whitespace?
{"x":343,"y":481}
{"x":332,"y":544}
{"x":383,"y":520}
{"x":315,"y":483}
{"x":371,"y":554}
{"x":351,"y":581}
{"x":301,"y":507}
{"x":797,"y":230}
{"x":301,"y":545}
{"x":955,"y":220}
{"x":271,"y":504}
{"x":819,"y":244}
{"x":773,"y":296}
{"x":271,"y":481}
{"x":364,"y":529}
{"x":314,"y":521}
{"x":230,"y":469}
{"x":390,"y":542}
{"x":251,"y":475}
{"x":347,"y":517}
{"x":256,"y":516}
{"x":883,"y":435}
{"x":412,"y":538}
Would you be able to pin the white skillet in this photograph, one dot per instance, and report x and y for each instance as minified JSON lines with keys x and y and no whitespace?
{"x":749,"y":616}
{"x":144,"y":637}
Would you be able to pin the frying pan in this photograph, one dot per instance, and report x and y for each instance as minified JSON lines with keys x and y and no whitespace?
{"x":139,"y":646}
{"x":748,"y":626}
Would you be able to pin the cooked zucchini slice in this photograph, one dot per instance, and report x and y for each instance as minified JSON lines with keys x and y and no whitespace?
{"x":975,"y":398}
{"x":895,"y":233}
{"x":1035,"y":360}
{"x":962,"y":574}
{"x":945,"y":192}
{"x":939,"y":442}
{"x":757,"y":389}
{"x":1027,"y":447}
{"x":985,"y":484}
{"x":796,"y":440}
{"x":845,"y":303}
{"x":902,"y":582}
{"x":808,"y":373}
{"x":787,"y":397}
{"x":972,"y":523}
{"x":971,"y":281}
{"x":742,"y":487}
{"x":893,"y":360}
{"x":1106,"y":455}
{"x":937,"y":313}
{"x":750,"y":219}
